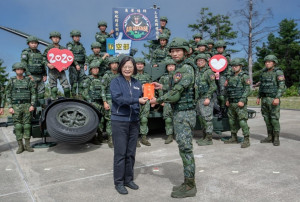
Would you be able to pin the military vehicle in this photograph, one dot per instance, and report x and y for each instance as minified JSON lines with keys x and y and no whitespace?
{"x":75,"y":121}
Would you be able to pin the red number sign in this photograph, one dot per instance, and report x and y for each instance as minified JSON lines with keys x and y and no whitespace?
{"x":61,"y":59}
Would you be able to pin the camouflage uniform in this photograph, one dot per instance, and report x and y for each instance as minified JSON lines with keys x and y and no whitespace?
{"x":76,"y":77}
{"x":101,"y":37}
{"x":238,"y":90}
{"x":93,"y":57}
{"x":92,"y":93}
{"x":197,"y":52}
{"x":145,"y":108}
{"x":106,"y":97}
{"x":193,"y":44}
{"x":161,"y":52}
{"x":35,"y":67}
{"x":165,"y":30}
{"x":205,"y":86}
{"x":272,"y":86}
{"x":2,"y":96}
{"x":54,"y":74}
{"x":20,"y":95}
{"x":182,"y":98}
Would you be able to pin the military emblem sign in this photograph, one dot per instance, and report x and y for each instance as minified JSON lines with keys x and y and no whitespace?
{"x":218,"y":63}
{"x":136,"y":24}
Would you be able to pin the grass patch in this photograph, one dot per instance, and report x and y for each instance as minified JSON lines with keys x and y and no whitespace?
{"x":286,"y":102}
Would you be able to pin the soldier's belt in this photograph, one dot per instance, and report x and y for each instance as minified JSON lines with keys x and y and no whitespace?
{"x":234,"y":100}
{"x":272,"y":95}
{"x":96,"y":100}
{"x":20,"y":102}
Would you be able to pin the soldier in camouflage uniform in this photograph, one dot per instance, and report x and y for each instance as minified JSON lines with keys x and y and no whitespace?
{"x":202,"y":48}
{"x":106,"y":96}
{"x":97,"y":56}
{"x":161,"y":52}
{"x":92,"y":94}
{"x":210,"y":46}
{"x":182,"y":98}
{"x":166,"y":80}
{"x":79,"y":65}
{"x":205,"y":86}
{"x":238,"y":90}
{"x":2,"y":94}
{"x":21,"y":98}
{"x":272,"y":86}
{"x":102,"y":35}
{"x":143,"y":78}
{"x":197,"y":37}
{"x":53,"y":73}
{"x":163,"y":29}
{"x":220,"y":47}
{"x":35,"y":67}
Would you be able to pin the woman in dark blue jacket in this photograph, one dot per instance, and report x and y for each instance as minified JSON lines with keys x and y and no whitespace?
{"x":126,"y":93}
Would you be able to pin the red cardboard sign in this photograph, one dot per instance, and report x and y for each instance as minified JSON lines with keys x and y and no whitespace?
{"x":218,"y":63}
{"x":61,"y":59}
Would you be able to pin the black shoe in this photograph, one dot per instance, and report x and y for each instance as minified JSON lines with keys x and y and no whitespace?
{"x":121,"y":189}
{"x":132,"y":185}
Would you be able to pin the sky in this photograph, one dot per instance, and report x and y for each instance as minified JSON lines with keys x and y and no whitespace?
{"x":39,"y":18}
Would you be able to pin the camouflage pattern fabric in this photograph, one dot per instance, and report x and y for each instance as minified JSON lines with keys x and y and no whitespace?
{"x":92,"y":58}
{"x":160,"y":54}
{"x":2,"y":96}
{"x":205,"y":114}
{"x":101,"y":38}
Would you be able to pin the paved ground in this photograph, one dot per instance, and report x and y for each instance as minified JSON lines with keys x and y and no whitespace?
{"x":261,"y":172}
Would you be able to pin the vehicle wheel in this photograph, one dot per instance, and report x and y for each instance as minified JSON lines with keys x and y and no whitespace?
{"x":72,"y":122}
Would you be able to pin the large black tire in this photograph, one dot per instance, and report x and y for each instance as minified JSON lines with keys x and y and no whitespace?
{"x":72,"y":122}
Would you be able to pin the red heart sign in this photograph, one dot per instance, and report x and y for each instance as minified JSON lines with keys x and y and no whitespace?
{"x":61,"y":59}
{"x":218,"y":63}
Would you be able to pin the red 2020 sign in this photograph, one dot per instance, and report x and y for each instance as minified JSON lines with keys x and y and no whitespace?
{"x":60,"y":59}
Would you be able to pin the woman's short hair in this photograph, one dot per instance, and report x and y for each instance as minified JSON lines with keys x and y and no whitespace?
{"x":123,"y":61}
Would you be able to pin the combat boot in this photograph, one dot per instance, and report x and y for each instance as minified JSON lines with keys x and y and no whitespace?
{"x":169,"y":139}
{"x":276,"y":138}
{"x":232,"y":140}
{"x":246,"y":142}
{"x":187,"y":190}
{"x":144,"y":141}
{"x":206,"y":141}
{"x":21,"y":147}
{"x":268,"y":139}
{"x":178,"y":187}
{"x":27,"y":146}
{"x":109,"y":142}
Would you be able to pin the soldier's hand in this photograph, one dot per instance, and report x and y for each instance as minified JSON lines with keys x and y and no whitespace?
{"x":44,"y":78}
{"x":160,"y":30}
{"x":275,"y":102}
{"x":241,"y":104}
{"x":155,"y":65}
{"x":1,"y":111}
{"x":157,"y":86}
{"x":106,"y":106}
{"x":50,"y":66}
{"x":162,"y":104}
{"x":111,"y":32}
{"x":78,"y":67}
{"x":31,"y":78}
{"x":105,"y":56}
{"x":85,"y":67}
{"x":226,"y":83}
{"x":143,"y":100}
{"x":153,"y":101}
{"x":227,"y":103}
{"x":206,"y":102}
{"x":257,"y":101}
{"x":31,"y":108}
{"x":11,"y":110}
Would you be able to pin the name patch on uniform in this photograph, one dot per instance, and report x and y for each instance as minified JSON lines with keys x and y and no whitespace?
{"x":281,"y":78}
{"x":136,"y":88}
{"x":212,"y":77}
{"x":177,"y":77}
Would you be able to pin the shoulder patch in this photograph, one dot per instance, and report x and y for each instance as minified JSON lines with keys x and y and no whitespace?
{"x":248,"y":81}
{"x":281,"y":78}
{"x":24,"y":56}
{"x":177,"y":77}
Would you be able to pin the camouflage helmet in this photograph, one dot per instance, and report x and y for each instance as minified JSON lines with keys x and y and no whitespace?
{"x":102,"y":23}
{"x":75,"y":33}
{"x":220,"y":43}
{"x":200,"y":56}
{"x":112,"y":60}
{"x":163,"y":18}
{"x":94,"y":64}
{"x":31,"y":39}
{"x":210,"y":41}
{"x":169,"y":62}
{"x":237,"y":62}
{"x":202,"y":43}
{"x":179,"y":43}
{"x":140,"y":60}
{"x":55,"y":34}
{"x":198,"y":35}
{"x":18,"y":65}
{"x":164,"y":36}
{"x":271,"y":58}
{"x":96,"y":45}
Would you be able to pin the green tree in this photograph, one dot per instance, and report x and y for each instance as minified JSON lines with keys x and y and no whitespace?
{"x":286,"y":47}
{"x":203,"y":24}
{"x":3,"y":74}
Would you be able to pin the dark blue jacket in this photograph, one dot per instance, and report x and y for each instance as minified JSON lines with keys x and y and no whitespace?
{"x":125,"y":99}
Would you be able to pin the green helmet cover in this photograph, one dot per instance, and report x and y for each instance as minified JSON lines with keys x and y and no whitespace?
{"x":163,"y":18}
{"x":163,"y":36}
{"x":237,"y":62}
{"x":31,"y":39}
{"x":102,"y":23}
{"x":200,"y":56}
{"x":210,"y":41}
{"x":55,"y":34}
{"x":96,"y":45}
{"x":112,"y":60}
{"x":197,"y":35}
{"x":75,"y":33}
{"x":202,"y":43}
{"x":179,"y":43}
{"x":220,"y":43}
{"x":140,"y":60}
{"x":94,"y":64}
{"x":271,"y":58}
{"x":18,"y":65}
{"x":169,"y":62}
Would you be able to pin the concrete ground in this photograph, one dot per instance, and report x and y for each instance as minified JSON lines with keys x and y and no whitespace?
{"x":261,"y":172}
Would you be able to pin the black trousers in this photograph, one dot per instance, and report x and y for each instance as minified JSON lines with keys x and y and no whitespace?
{"x":124,"y":136}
